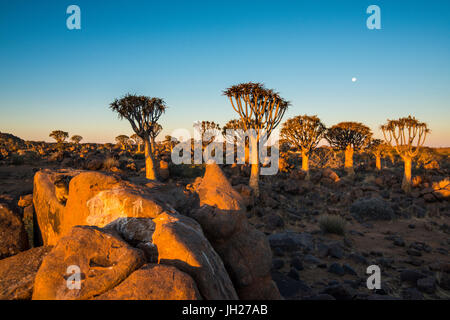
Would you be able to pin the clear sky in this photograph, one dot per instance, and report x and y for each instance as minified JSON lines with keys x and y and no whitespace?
{"x":187,"y":52}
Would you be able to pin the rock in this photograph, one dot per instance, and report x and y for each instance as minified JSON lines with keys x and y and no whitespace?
{"x":216,"y":191}
{"x":244,"y":250}
{"x":320,"y":296}
{"x":13,"y":238}
{"x":163,"y":170}
{"x":297,"y":263}
{"x":336,"y":268}
{"x":247,"y":258}
{"x":335,"y":250}
{"x":104,"y":261}
{"x":49,"y":211}
{"x":330,"y":174}
{"x":411,"y":276}
{"x":292,"y":241}
{"x":277,"y":263}
{"x":349,"y":270}
{"x":25,"y":201}
{"x":94,"y":164}
{"x":412,"y":294}
{"x":94,"y":198}
{"x":181,"y":243}
{"x":367,"y":209}
{"x":155,"y":282}
{"x":427,"y":285}
{"x":339,"y":292}
{"x":293,"y":274}
{"x":308,"y":258}
{"x":444,"y":280}
{"x":17,"y":273}
{"x":291,"y":288}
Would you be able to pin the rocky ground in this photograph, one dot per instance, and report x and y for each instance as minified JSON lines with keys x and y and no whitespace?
{"x":249,"y":241}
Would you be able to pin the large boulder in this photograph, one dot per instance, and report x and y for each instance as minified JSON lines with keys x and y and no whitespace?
{"x":13,"y":238}
{"x":244,"y":250}
{"x":155,"y":282}
{"x":176,"y":240}
{"x":103,"y":260}
{"x":92,"y":198}
{"x":17,"y":273}
{"x":48,"y":207}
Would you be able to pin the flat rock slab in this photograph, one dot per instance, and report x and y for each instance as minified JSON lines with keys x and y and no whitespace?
{"x":155,"y":282}
{"x":17,"y":273}
{"x":103,"y":261}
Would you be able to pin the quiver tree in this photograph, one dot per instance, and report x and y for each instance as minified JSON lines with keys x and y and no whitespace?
{"x":349,"y":137}
{"x":76,"y":139}
{"x":122,"y":141}
{"x":208,"y":131}
{"x":143,"y":113}
{"x":137,"y":140}
{"x":261,"y":110}
{"x":238,"y":137}
{"x":376,"y":147}
{"x":407,"y":135}
{"x":156,"y":130}
{"x":169,"y":142}
{"x":303,"y":132}
{"x":60,"y":136}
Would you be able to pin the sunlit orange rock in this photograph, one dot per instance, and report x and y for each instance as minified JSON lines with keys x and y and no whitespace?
{"x":181,"y":243}
{"x":104,"y":261}
{"x":244,"y":250}
{"x":13,"y":238}
{"x":93,"y":198}
{"x":17,"y":273}
{"x":155,"y":282}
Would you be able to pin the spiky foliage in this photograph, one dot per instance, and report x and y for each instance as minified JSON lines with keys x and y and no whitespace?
{"x":59,"y":135}
{"x":348,"y":136}
{"x":303,"y":132}
{"x":208,"y":131}
{"x":137,"y":140}
{"x":156,"y":130}
{"x":260,"y":109}
{"x":345,"y":134}
{"x":407,"y":135}
{"x":122,"y":141}
{"x":76,"y":139}
{"x":143,"y":114}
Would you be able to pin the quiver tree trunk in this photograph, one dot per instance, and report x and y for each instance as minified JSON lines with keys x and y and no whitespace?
{"x":153,"y":145}
{"x":378,"y":161}
{"x":406,"y":183}
{"x":254,"y":160}
{"x":150,"y":169}
{"x":305,"y":163}
{"x":139,"y":148}
{"x":348,"y":164}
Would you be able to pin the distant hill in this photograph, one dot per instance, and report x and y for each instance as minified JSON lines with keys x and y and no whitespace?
{"x":10,"y":140}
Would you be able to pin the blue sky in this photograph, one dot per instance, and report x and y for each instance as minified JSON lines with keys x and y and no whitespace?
{"x":187,"y":52}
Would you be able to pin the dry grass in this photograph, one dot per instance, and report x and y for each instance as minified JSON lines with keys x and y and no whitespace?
{"x":332,"y":224}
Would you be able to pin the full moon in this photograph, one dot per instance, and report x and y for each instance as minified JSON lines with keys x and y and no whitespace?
{"x":353,"y":79}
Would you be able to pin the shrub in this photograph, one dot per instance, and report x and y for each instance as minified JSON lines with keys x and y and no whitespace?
{"x":110,"y":163}
{"x":332,"y":224}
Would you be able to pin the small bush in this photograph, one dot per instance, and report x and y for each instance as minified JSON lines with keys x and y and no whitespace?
{"x":17,"y":160}
{"x":332,"y":224}
{"x":110,"y":163}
